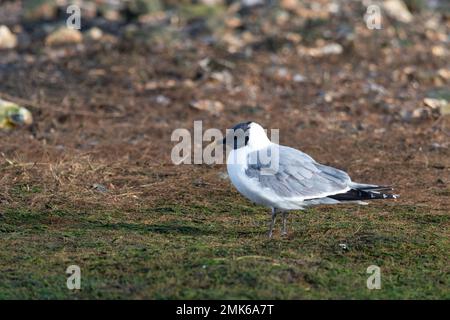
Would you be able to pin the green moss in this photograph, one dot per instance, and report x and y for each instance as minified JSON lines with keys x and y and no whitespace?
{"x":222,"y":251}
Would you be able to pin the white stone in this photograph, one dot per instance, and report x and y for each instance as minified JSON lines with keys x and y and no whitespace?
{"x":8,"y":40}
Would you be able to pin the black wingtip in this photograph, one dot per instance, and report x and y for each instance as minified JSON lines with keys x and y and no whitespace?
{"x":364,"y":194}
{"x":374,"y":188}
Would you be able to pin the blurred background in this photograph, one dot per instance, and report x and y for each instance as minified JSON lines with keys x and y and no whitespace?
{"x":324,"y":72}
{"x":86,"y":118}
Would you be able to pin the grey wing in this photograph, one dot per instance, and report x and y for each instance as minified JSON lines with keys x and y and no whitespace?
{"x":296,"y":175}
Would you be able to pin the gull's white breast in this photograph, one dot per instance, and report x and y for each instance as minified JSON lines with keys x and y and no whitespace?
{"x":250,"y":187}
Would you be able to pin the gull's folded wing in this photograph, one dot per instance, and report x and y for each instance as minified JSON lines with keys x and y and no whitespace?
{"x":291,"y":173}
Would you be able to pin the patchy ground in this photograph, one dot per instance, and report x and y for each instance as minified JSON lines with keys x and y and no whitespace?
{"x":91,"y":183}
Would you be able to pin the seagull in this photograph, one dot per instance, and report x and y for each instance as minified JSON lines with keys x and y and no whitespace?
{"x":285,"y":179}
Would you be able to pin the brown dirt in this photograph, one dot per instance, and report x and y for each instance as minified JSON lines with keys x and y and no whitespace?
{"x":97,"y":119}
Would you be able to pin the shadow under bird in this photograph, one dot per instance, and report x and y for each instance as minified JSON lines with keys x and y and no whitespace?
{"x":285,"y":179}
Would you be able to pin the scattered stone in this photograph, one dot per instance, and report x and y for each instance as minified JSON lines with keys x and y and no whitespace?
{"x":94,"y":34}
{"x":279,"y":73}
{"x":329,"y":96}
{"x":438,"y":100}
{"x":438,"y":146}
{"x":8,"y":40}
{"x":331,"y":49}
{"x":224,"y":77}
{"x":204,"y":64}
{"x":444,"y":73}
{"x":374,"y":87}
{"x":211,"y":106}
{"x":13,"y":115}
{"x":156,"y":85}
{"x":379,"y":131}
{"x":233,"y":22}
{"x":233,"y":42}
{"x":434,"y":103}
{"x":320,"y":51}
{"x":163,"y":100}
{"x":99,"y":188}
{"x":64,"y":36}
{"x":439,"y":51}
{"x":334,"y":8}
{"x":398,"y":10}
{"x":282,"y":73}
{"x":223,"y":176}
{"x":111,"y":15}
{"x":420,"y":114}
{"x":293,"y":37}
{"x":299,"y":78}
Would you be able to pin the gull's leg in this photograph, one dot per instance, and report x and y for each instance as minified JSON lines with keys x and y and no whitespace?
{"x":284,"y":232}
{"x":272,"y":223}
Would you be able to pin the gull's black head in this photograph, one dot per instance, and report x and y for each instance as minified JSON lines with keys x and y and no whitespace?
{"x":238,"y":136}
{"x":244,"y":126}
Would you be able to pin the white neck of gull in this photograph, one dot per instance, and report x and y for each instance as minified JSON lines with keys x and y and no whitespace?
{"x":257,"y":137}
